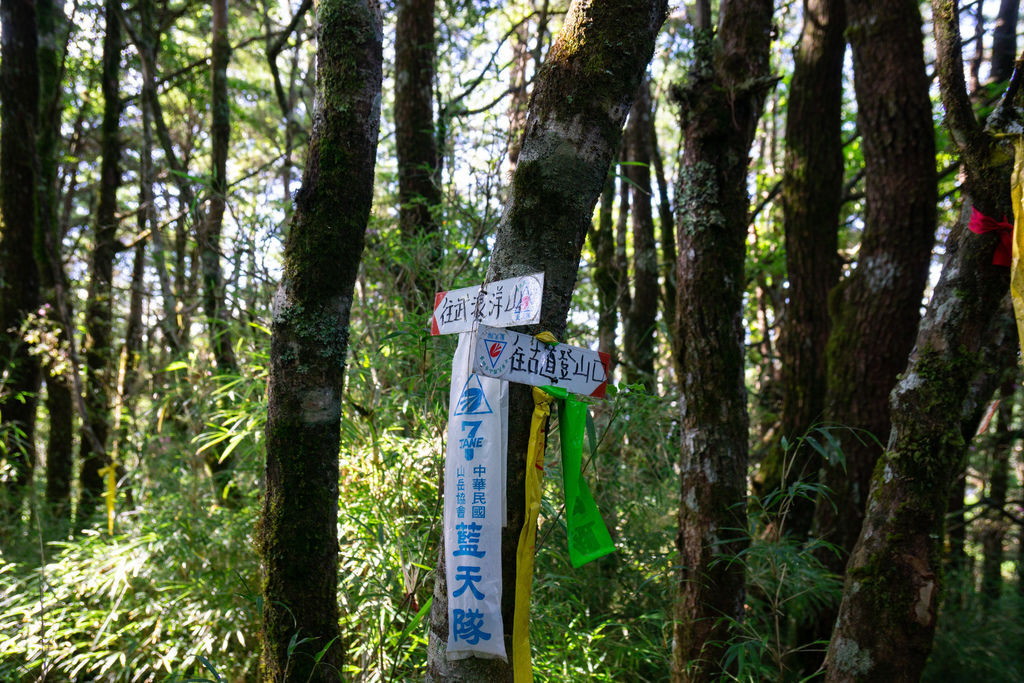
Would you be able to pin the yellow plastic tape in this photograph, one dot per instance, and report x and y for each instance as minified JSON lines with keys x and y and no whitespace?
{"x":522,"y":668}
{"x":110,"y":472}
{"x":1017,"y":272}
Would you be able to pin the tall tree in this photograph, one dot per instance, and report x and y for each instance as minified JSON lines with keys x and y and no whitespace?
{"x":419,"y":192}
{"x":98,"y":310}
{"x":210,"y":227}
{"x":720,"y":104}
{"x":573,"y":129}
{"x":19,"y":275}
{"x":53,"y":27}
{"x":1004,"y":41}
{"x":888,"y":614}
{"x":297,"y":533}
{"x":876,"y":309}
{"x":638,"y":337}
{"x":812,"y":186}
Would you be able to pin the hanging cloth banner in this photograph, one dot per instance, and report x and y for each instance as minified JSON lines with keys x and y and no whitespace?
{"x":504,"y":303}
{"x":522,"y":666}
{"x":474,"y":488}
{"x":517,"y":357}
{"x":1017,"y":270}
{"x":588,"y":536}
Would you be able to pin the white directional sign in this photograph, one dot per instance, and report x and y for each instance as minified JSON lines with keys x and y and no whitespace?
{"x":516,"y":357}
{"x":504,"y":303}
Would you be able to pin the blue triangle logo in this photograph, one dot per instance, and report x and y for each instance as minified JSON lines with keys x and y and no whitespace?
{"x":473,"y":400}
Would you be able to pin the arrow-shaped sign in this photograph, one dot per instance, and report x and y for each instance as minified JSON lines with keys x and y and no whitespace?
{"x":517,"y":357}
{"x":504,"y":303}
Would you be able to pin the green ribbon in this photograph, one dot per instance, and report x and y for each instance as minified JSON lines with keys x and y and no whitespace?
{"x":588,"y":536}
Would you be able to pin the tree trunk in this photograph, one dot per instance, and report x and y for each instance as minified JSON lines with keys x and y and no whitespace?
{"x":876,"y":309}
{"x":98,"y":311}
{"x":812,"y":188}
{"x":720,"y":105}
{"x":887,"y":617}
{"x":669,"y":260}
{"x":59,"y":445}
{"x":996,"y":526}
{"x":217,"y":316}
{"x":573,"y":129}
{"x":519,"y":95}
{"x":297,"y":533}
{"x":19,"y":288}
{"x":419,"y":191}
{"x":1004,"y":41}
{"x":638,"y":338}
{"x":602,"y":239}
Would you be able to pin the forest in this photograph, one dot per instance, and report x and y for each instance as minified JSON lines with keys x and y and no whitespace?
{"x":234,"y":433}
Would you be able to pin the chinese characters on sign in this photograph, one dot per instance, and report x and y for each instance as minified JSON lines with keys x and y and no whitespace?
{"x":474,"y":507}
{"x":516,"y":357}
{"x":504,"y":303}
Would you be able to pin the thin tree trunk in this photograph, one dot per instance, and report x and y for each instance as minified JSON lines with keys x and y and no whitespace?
{"x":1004,"y":41}
{"x":419,"y":192}
{"x":98,"y":312}
{"x":638,"y":339}
{"x":887,"y":619}
{"x":19,"y":288}
{"x":812,"y":188}
{"x":719,"y":108}
{"x":297,"y":532}
{"x":573,"y":129}
{"x":602,"y":239}
{"x":519,"y":96}
{"x":996,"y":526}
{"x":669,"y":260}
{"x":217,"y":316}
{"x":52,"y":31}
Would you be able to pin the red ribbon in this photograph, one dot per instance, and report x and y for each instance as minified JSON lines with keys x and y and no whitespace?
{"x":981,"y":224}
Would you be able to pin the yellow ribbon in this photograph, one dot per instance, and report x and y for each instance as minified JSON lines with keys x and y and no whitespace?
{"x":1017,"y":273}
{"x":110,"y":473}
{"x":522,"y":668}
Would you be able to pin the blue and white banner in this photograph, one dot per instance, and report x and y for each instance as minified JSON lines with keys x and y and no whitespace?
{"x":474,"y":507}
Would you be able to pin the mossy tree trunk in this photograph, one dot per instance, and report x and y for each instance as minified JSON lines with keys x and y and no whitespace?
{"x":19,"y":287}
{"x":297,"y":532}
{"x":98,"y":311}
{"x":720,"y":103}
{"x":812,"y":187}
{"x":419,"y":192}
{"x":875,"y":311}
{"x":581,"y":97}
{"x":887,"y":618}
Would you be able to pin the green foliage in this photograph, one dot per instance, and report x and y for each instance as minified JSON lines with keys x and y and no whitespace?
{"x":975,"y":641}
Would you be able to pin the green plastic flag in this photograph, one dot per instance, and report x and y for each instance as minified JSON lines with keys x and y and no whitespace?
{"x":588,"y":536}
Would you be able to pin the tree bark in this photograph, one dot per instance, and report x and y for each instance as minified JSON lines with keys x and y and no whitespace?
{"x":19,"y":288}
{"x":602,"y":239}
{"x":638,"y":337}
{"x":297,"y":533}
{"x":996,"y":526}
{"x":812,"y":188}
{"x":887,"y":618}
{"x":59,"y":445}
{"x":876,"y":309}
{"x":419,"y":191}
{"x":98,"y":311}
{"x":720,"y":104}
{"x":1004,"y":41}
{"x":573,"y":130}
{"x":217,"y":316}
